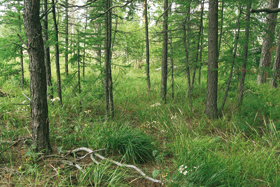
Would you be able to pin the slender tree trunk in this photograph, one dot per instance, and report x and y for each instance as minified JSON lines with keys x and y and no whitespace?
{"x":84,"y":54}
{"x":172,"y":67}
{"x":21,"y":55}
{"x":147,"y":46}
{"x":164,"y":53}
{"x":79,"y":69}
{"x":233,"y":60}
{"x":57,"y":54}
{"x":212,"y":73}
{"x":112,"y":110}
{"x":276,"y":66}
{"x":201,"y":43}
{"x":198,"y":43}
{"x":221,"y":29}
{"x":38,"y":86}
{"x":188,"y":67}
{"x":245,"y":54}
{"x":66,"y":37}
{"x":47,"y":50}
{"x":107,"y":59}
{"x":267,"y":43}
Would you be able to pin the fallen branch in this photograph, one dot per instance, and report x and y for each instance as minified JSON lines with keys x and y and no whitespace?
{"x":115,"y":162}
{"x":26,"y":97}
{"x":267,"y":10}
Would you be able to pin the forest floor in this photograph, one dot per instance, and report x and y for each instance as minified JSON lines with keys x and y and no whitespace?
{"x":168,"y":142}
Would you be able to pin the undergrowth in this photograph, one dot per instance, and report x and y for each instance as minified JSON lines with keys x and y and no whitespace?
{"x":167,"y":141}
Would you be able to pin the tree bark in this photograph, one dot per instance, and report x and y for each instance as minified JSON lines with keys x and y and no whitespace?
{"x":221,"y":29}
{"x":38,"y":86}
{"x":164,"y":53}
{"x":112,"y":110}
{"x":147,"y":46}
{"x":107,"y":59}
{"x":276,"y":66}
{"x":233,"y":60}
{"x":198,"y":43}
{"x":57,"y":54}
{"x":66,"y":37}
{"x":21,"y":54}
{"x":267,"y":44}
{"x":201,"y":44}
{"x":47,"y":50}
{"x":212,"y":73}
{"x":245,"y":54}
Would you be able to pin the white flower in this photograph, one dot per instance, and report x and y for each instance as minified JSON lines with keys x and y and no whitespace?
{"x":156,"y":104}
{"x":173,"y":117}
{"x":54,"y":99}
{"x":88,"y":111}
{"x":185,"y":172}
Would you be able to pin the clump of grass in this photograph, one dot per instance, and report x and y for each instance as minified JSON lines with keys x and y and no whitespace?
{"x":101,"y":175}
{"x":133,"y":143}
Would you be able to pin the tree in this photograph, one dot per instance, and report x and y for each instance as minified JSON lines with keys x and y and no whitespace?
{"x":245,"y":54}
{"x":164,"y":53}
{"x":147,"y":46}
{"x":38,"y":86}
{"x":56,"y":54}
{"x":66,"y":37}
{"x":212,"y":72}
{"x":267,"y":43}
{"x":47,"y":49}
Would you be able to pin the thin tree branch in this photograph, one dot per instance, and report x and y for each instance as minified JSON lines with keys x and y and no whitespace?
{"x":164,"y":12}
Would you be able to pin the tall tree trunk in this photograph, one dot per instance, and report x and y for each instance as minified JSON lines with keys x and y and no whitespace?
{"x":187,"y":63}
{"x":21,"y":54}
{"x":201,"y":43}
{"x":110,"y":61}
{"x":198,"y":43}
{"x":38,"y":86}
{"x":221,"y":29}
{"x":84,"y":54}
{"x":57,"y":54}
{"x":164,"y":53}
{"x":172,"y":67}
{"x":276,"y":66}
{"x":245,"y":54}
{"x":47,"y":50}
{"x":147,"y":46}
{"x":79,"y":69}
{"x":267,"y":43}
{"x":212,"y":73}
{"x":233,"y":60}
{"x":107,"y":59}
{"x":66,"y":37}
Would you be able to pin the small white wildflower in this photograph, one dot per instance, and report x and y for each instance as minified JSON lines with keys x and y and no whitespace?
{"x":88,"y":111}
{"x":173,"y":117}
{"x":156,"y":104}
{"x":163,"y":131}
{"x":194,"y":167}
{"x":185,"y":172}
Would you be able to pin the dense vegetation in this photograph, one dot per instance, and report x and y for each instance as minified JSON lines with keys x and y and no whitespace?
{"x":170,"y":138}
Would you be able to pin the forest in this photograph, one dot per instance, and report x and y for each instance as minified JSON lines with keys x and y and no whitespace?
{"x":139,"y":93}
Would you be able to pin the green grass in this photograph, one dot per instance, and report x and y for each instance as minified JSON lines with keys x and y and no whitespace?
{"x":239,"y":149}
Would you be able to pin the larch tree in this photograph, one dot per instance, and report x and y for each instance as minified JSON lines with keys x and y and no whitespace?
{"x":38,"y":86}
{"x":164,"y":53}
{"x":212,"y":72}
{"x":267,"y":43}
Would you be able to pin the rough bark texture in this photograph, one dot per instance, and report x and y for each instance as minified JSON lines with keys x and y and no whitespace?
{"x":276,"y":66}
{"x":47,"y":50}
{"x":112,"y":110}
{"x":147,"y":46}
{"x":164,"y":53}
{"x":221,"y":29}
{"x":38,"y":86}
{"x":245,"y":54}
{"x":267,"y":43}
{"x":212,"y":73}
{"x":66,"y":37}
{"x":57,"y":54}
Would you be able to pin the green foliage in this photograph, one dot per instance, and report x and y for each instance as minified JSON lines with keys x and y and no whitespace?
{"x":132,"y":143}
